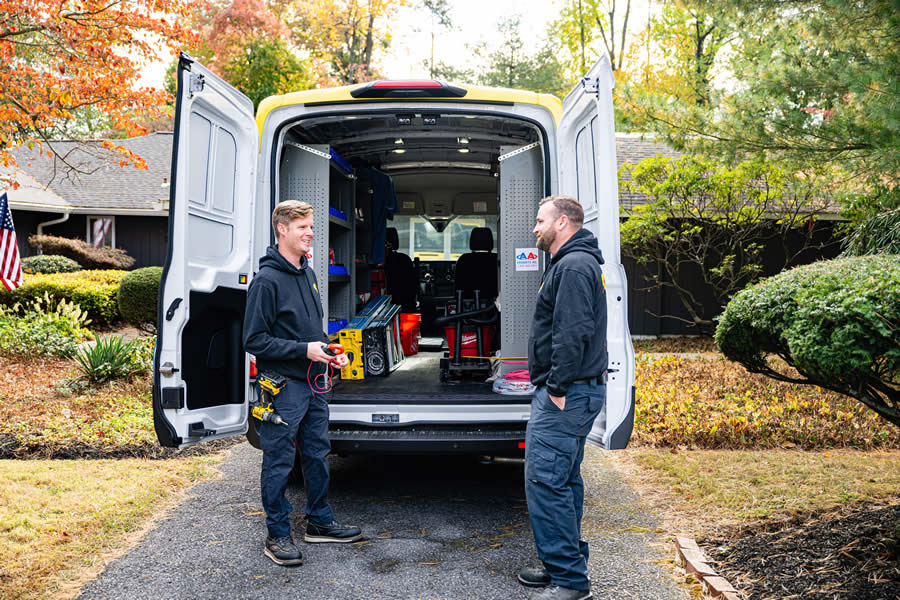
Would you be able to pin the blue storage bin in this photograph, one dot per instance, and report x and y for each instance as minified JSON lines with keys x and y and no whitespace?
{"x":337,"y":270}
{"x":335,"y":325}
{"x":337,"y":213}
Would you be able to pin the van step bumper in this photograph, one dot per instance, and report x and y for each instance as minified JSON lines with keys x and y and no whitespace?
{"x":494,"y":440}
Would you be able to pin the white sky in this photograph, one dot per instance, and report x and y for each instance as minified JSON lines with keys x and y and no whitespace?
{"x":473,"y":20}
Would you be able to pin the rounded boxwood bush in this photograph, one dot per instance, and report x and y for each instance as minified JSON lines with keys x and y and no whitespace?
{"x":49,"y":263}
{"x":837,"y":322}
{"x":138,"y":293}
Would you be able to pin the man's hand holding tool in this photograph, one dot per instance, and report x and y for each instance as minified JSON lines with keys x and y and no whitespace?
{"x":332,"y":354}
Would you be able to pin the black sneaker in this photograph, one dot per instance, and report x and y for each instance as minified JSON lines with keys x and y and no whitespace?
{"x":534,"y":577}
{"x":555,"y":592}
{"x":333,"y":532}
{"x":283,"y":551}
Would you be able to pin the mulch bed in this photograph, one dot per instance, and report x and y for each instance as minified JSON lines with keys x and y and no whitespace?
{"x":12,"y":448}
{"x":853,"y":553}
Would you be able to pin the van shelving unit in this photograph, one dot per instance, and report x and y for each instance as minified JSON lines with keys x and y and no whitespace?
{"x":309,"y":174}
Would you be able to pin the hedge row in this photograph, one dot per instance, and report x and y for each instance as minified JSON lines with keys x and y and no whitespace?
{"x":95,"y":291}
{"x":83,"y":253}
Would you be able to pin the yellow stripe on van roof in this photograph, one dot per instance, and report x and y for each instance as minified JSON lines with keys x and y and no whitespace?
{"x":342,"y":94}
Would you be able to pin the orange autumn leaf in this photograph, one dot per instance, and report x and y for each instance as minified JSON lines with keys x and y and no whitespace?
{"x":57,"y":58}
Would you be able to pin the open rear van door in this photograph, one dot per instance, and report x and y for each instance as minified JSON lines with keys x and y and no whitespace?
{"x":200,"y":383}
{"x":587,"y":170}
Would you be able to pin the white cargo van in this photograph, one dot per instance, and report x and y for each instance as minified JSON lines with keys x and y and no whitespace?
{"x":458,"y":157}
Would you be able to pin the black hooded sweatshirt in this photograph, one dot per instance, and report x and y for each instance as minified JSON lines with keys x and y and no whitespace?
{"x":284,"y":313}
{"x":568,"y":335}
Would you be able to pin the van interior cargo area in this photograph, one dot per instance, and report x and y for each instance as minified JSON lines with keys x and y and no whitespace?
{"x":465,"y":184}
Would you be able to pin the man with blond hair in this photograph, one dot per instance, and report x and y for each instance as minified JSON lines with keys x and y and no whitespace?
{"x":283,"y":329}
{"x":567,"y":363}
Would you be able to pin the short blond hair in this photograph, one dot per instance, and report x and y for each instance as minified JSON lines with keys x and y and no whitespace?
{"x":566,"y":205}
{"x":285,"y":212}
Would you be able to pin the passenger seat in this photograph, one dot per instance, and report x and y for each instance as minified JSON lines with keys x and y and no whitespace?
{"x":479,"y":269}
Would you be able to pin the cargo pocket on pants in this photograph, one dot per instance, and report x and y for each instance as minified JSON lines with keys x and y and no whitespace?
{"x":550,"y":459}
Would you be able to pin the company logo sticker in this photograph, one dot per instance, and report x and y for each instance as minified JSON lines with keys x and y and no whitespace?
{"x":527,"y":259}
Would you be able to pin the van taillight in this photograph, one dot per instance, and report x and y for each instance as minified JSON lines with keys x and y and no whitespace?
{"x":252,"y":367}
{"x":521,"y":445}
{"x":408,"y":89}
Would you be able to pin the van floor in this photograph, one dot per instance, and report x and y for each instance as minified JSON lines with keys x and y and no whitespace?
{"x":417,"y":379}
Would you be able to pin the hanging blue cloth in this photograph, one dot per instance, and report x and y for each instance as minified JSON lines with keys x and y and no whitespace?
{"x":384,"y":207}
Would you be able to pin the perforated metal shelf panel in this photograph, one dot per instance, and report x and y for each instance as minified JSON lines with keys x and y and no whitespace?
{"x":521,"y":189}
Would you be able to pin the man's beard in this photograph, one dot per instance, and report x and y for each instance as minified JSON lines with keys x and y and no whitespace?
{"x":546,"y":240}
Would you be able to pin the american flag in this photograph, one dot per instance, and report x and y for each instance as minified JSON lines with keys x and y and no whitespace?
{"x":10,"y":267}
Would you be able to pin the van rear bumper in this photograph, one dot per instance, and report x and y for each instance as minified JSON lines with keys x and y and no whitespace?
{"x":495,"y":439}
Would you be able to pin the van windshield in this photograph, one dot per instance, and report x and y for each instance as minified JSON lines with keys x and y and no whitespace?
{"x":419,"y":239}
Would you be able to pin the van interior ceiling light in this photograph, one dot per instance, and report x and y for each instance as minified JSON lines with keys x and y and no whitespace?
{"x":463,"y":150}
{"x":404,"y":120}
{"x":462,"y":140}
{"x":398,"y":141}
{"x":398,"y":151}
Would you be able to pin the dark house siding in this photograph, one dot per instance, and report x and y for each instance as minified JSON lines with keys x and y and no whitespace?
{"x":144,"y":238}
{"x":644,"y":303}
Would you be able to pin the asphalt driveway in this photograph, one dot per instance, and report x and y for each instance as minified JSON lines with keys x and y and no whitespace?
{"x":439,"y":528}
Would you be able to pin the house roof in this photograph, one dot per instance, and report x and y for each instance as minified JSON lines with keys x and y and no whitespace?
{"x":109,"y":188}
{"x":633,"y":148}
{"x":100,"y":183}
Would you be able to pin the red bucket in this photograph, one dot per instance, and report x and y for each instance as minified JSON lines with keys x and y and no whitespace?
{"x":409,"y":332}
{"x":469,"y":340}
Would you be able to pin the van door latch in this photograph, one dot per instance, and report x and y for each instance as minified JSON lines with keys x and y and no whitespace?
{"x":591,"y":85}
{"x":167,"y":368}
{"x":197,"y":83}
{"x":199,"y":430}
{"x":171,"y":312}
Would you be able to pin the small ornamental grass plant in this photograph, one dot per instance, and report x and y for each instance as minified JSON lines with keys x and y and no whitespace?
{"x":109,"y":359}
{"x":43,"y":326}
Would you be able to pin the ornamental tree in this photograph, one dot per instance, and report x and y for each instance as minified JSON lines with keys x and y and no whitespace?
{"x":60,"y":58}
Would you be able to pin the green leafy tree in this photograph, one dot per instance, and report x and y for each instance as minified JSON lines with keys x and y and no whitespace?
{"x":439,"y":12}
{"x":589,"y":28}
{"x":248,"y":45}
{"x":682,"y":43}
{"x":511,"y":66}
{"x":836,"y":322}
{"x":266,"y":67}
{"x":811,"y":82}
{"x":703,"y":217}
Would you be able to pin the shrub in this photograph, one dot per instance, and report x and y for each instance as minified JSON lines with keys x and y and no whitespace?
{"x":837,"y":323}
{"x":94,"y":291}
{"x":137,"y":297}
{"x":43,"y":326}
{"x":110,"y":358}
{"x":49,"y":263}
{"x":83,"y":253}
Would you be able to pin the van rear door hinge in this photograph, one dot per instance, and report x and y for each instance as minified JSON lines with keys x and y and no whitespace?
{"x":197,"y":83}
{"x":591,"y":85}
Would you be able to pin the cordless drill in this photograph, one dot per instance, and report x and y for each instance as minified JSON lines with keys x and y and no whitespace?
{"x":263,"y":408}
